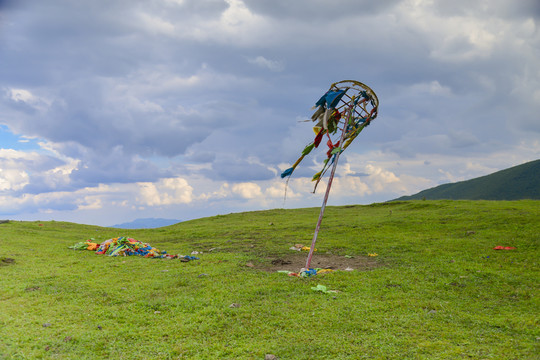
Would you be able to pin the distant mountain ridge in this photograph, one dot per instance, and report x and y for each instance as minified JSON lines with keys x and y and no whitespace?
{"x":146,"y":223}
{"x":515,"y":183}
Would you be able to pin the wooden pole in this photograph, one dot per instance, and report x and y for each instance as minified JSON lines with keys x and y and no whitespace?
{"x":330,"y":179}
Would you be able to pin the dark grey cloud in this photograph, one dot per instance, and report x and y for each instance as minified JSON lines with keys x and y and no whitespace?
{"x":318,"y":10}
{"x":238,"y":169}
{"x":500,"y":8}
{"x":6,"y":4}
{"x":201,"y":156}
{"x":198,"y":8}
{"x":115,"y":167}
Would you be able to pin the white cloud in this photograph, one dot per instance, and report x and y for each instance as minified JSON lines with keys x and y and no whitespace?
{"x":46,"y":169}
{"x":455,"y":38}
{"x":220,"y":191}
{"x":156,"y":25}
{"x":165,"y":192}
{"x":380,"y":175}
{"x":238,"y":19}
{"x":433,"y":88}
{"x":15,"y":167}
{"x":277,"y":189}
{"x":91,"y":203}
{"x":263,"y":62}
{"x":29,"y":98}
{"x":470,"y":43}
{"x":13,"y":179}
{"x":59,"y":177}
{"x":236,"y":25}
{"x":21,"y":95}
{"x":349,"y":186}
{"x":247,"y":190}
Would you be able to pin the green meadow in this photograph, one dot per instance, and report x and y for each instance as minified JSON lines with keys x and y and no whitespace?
{"x":437,"y":289}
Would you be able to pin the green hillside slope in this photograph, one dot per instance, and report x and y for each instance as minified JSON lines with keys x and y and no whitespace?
{"x":412,"y":280}
{"x":515,"y":183}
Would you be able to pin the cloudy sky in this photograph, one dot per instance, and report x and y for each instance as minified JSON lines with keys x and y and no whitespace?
{"x":124,"y":109}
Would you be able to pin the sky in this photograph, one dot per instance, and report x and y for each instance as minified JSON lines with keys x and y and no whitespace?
{"x":116,"y":110}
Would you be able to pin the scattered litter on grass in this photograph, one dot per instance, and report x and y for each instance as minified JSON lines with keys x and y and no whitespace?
{"x":125,"y":246}
{"x":504,"y":248}
{"x":349,"y":256}
{"x":306,"y":272}
{"x":373,"y":254}
{"x":300,"y":247}
{"x":349,"y":269}
{"x":234,"y":305}
{"x":323,"y":289}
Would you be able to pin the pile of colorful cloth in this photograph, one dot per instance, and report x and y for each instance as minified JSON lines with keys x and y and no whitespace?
{"x":126,"y":246}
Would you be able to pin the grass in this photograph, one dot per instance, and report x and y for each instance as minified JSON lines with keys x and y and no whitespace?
{"x":440,"y":290}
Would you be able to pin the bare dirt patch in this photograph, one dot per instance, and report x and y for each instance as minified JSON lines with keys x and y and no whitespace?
{"x":297,"y":261}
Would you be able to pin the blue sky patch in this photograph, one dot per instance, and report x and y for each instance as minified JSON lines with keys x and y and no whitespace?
{"x":9,"y":140}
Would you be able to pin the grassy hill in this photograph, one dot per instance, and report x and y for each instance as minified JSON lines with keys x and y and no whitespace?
{"x":515,"y":183}
{"x":437,"y":289}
